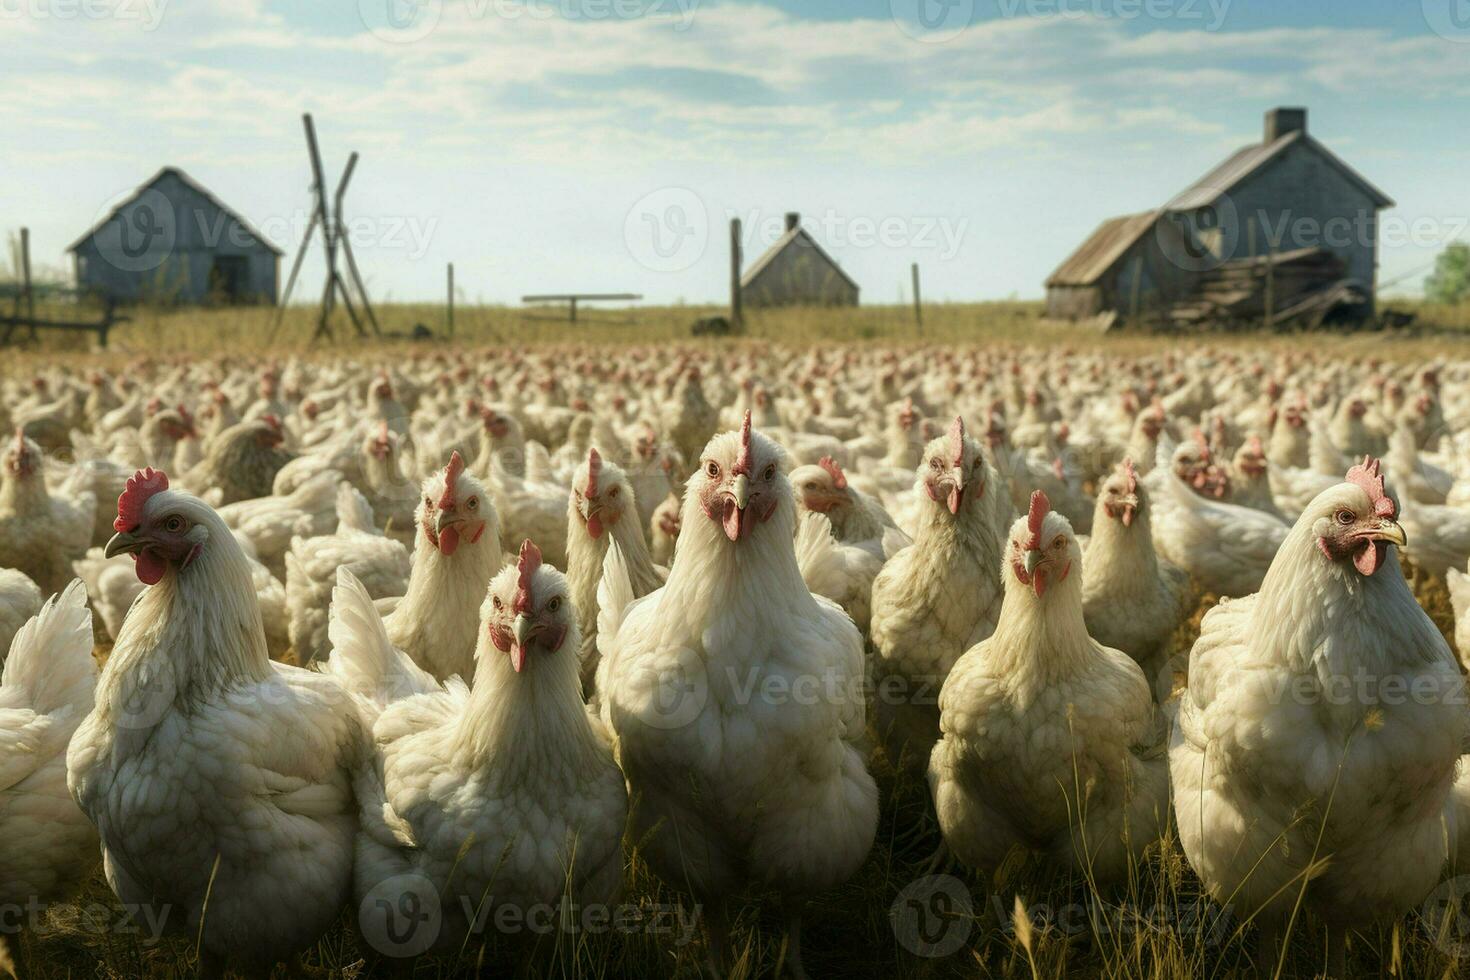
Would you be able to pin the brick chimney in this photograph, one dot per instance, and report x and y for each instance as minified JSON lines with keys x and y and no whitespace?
{"x":793,"y":221}
{"x":1283,"y":120}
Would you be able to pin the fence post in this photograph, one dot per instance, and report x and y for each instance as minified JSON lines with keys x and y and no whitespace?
{"x":918,"y":303}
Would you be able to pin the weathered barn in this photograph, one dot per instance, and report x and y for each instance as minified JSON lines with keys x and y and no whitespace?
{"x":796,"y":271}
{"x":172,"y":241}
{"x":1286,"y":193}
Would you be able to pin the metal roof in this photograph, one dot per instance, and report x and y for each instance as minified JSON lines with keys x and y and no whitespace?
{"x":1102,"y":248}
{"x":193,"y":185}
{"x":781,"y":244}
{"x":1250,"y":159}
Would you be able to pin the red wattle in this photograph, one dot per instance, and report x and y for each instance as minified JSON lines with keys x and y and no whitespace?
{"x":448,"y":541}
{"x":149,"y":567}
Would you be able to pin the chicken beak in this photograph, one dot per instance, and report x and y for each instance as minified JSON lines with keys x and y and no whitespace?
{"x":523,"y":629}
{"x":740,"y":488}
{"x":1030,"y":560}
{"x":123,"y":542}
{"x":585,"y":506}
{"x":1390,"y":531}
{"x":446,"y":519}
{"x":959,"y":478}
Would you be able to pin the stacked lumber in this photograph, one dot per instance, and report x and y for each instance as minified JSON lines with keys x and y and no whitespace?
{"x":1304,"y":288}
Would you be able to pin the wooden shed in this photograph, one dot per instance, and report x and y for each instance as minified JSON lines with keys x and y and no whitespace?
{"x":172,"y":241}
{"x":796,"y":271}
{"x":1283,"y":194}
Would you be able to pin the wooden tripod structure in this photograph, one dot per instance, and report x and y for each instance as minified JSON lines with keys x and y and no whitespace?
{"x":334,"y":234}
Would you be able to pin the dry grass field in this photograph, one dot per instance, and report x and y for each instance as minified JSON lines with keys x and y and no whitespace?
{"x":897,"y":918}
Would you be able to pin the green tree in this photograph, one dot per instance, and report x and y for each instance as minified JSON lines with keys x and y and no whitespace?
{"x":1450,"y":280}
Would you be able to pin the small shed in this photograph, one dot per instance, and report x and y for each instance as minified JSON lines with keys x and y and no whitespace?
{"x":1284,"y":194}
{"x":796,"y":271}
{"x":172,"y":241}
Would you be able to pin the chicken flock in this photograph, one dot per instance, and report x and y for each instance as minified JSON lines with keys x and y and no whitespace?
{"x":387,"y":629}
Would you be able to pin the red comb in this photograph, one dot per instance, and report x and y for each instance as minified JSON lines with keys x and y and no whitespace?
{"x":526,"y":564}
{"x":742,"y":461}
{"x":1204,"y":447}
{"x":957,"y":442}
{"x":1131,"y":473}
{"x":1366,"y":475}
{"x":839,"y":479}
{"x":140,"y":486}
{"x":268,"y":419}
{"x":594,"y":467}
{"x":451,"y":477}
{"x":20,"y":440}
{"x":1040,"y":506}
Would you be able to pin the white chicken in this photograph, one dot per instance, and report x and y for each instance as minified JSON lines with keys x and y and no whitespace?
{"x":1303,"y":769}
{"x":20,"y":599}
{"x":46,"y":844}
{"x":380,"y":563}
{"x":601,"y":510}
{"x":1131,"y":600}
{"x":182,"y":765}
{"x":939,"y":597}
{"x":732,"y":785}
{"x":458,"y":551}
{"x":40,"y":534}
{"x":1051,"y":740}
{"x":503,"y":794}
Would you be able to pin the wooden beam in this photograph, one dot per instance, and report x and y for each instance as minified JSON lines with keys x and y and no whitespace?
{"x":737,"y":314}
{"x":918,"y":303}
{"x":449,"y":304}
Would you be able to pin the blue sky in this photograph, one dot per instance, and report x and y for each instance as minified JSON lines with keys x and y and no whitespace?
{"x":602,"y":145}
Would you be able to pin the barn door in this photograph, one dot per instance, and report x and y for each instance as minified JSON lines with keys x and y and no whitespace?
{"x":229,"y":279}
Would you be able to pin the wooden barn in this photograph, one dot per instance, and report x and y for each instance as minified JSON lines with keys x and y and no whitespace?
{"x":172,"y":241}
{"x":796,"y":271}
{"x":1283,"y":195}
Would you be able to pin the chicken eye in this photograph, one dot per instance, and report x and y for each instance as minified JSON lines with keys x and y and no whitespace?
{"x":474,"y":503}
{"x":428,"y":503}
{"x":174,"y":524}
{"x":1060,"y":542}
{"x":554,"y":604}
{"x":770,"y":473}
{"x":495,"y":601}
{"x":713,"y":469}
{"x":1345,"y":517}
{"x":613,"y":492}
{"x":936,"y":463}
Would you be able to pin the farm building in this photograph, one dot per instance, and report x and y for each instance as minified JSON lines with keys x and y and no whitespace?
{"x":1287,"y":195}
{"x":795,"y":271}
{"x":172,"y":241}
